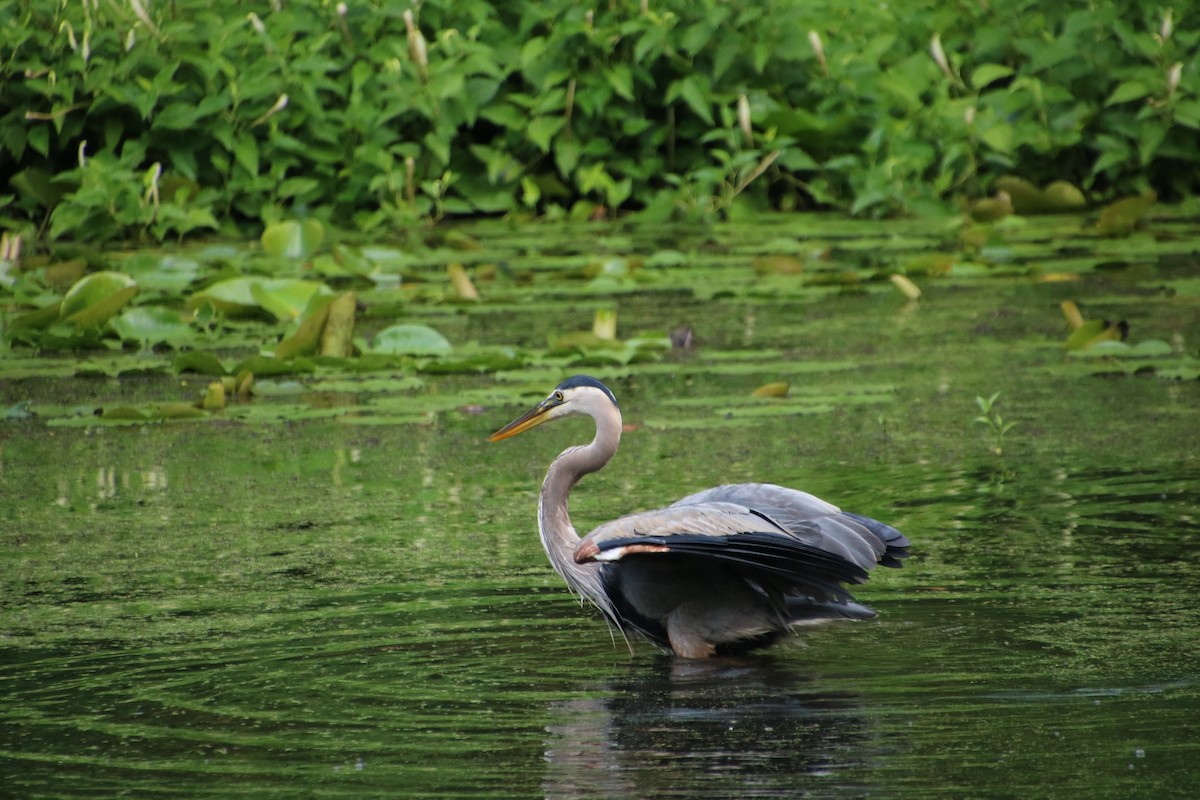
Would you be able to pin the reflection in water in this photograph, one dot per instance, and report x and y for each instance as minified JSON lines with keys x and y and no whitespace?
{"x":745,"y":728}
{"x":108,"y":483}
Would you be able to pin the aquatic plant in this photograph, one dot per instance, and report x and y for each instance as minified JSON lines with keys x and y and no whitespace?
{"x":178,"y":118}
{"x":990,"y":417}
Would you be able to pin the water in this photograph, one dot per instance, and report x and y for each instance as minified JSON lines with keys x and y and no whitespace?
{"x":362,"y":610}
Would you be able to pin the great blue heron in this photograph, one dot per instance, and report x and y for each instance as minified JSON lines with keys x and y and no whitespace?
{"x":723,"y":571}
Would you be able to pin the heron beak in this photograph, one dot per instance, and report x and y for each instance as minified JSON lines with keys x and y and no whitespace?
{"x":530,"y":419}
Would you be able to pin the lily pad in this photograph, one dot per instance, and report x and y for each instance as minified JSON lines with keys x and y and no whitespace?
{"x":1150,"y":348}
{"x":413,"y":340}
{"x":96,"y":298}
{"x":293,"y":239}
{"x":1121,"y":217}
{"x":284,"y":298}
{"x":200,"y":362}
{"x":1093,"y":332}
{"x":151,"y":325}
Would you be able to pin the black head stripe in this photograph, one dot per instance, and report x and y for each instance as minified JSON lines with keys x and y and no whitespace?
{"x":576,"y":381}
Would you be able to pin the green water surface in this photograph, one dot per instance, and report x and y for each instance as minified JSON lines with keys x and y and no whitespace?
{"x":357,"y":605}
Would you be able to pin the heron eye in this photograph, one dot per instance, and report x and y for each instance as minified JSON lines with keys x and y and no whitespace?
{"x":558,"y":397}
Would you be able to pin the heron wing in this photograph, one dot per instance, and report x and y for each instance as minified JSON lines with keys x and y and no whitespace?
{"x":861,"y":540}
{"x":753,"y":545}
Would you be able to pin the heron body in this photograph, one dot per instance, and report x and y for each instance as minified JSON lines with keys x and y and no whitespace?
{"x":722,"y":571}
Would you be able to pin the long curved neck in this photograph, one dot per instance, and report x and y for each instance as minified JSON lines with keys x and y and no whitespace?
{"x":554,"y":520}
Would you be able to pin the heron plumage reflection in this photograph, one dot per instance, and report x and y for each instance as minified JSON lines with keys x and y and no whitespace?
{"x":722,"y":571}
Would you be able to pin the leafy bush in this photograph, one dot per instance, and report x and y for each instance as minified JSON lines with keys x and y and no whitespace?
{"x":133,"y":119}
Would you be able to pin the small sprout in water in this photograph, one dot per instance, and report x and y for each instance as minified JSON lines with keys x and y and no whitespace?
{"x":997,"y":427}
{"x":604,"y":324}
{"x":907,"y":288}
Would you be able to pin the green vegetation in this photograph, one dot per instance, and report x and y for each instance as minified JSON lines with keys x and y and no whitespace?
{"x":990,"y":418}
{"x":127,"y":119}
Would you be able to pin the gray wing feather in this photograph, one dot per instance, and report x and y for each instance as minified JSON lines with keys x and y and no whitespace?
{"x":701,"y":519}
{"x":860,"y":540}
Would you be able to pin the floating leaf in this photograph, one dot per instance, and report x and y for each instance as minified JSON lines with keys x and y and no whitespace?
{"x":36,"y":320}
{"x":460,"y":281}
{"x":176,"y":411}
{"x":96,"y":315}
{"x":122,"y":413}
{"x":285,"y":298}
{"x":1061,"y":196}
{"x":1057,"y":197}
{"x":778,"y":264}
{"x":293,"y":239}
{"x":214,"y":397}
{"x":64,"y":274}
{"x":19,"y":411}
{"x":414,"y":340}
{"x":584,"y":340}
{"x":337,"y":337}
{"x":1025,"y":197}
{"x":153,"y":325}
{"x":94,"y":299}
{"x":267,"y":365}
{"x":307,"y":336}
{"x":778,"y":389}
{"x":1121,"y":217}
{"x":1151,"y":348}
{"x":1095,"y":331}
{"x":198,"y":361}
{"x":990,"y":209}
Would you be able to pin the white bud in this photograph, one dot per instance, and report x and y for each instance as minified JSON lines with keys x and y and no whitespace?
{"x":818,"y":48}
{"x":743,"y":117}
{"x":939,"y":55}
{"x":1174,"y":75}
{"x":416,"y":43}
{"x":70,"y":34}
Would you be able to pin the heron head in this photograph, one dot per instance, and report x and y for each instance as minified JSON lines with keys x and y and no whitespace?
{"x":580,"y":394}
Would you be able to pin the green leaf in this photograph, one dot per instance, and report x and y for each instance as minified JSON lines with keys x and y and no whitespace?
{"x":245,"y":152}
{"x":1127,"y":91}
{"x":97,"y":297}
{"x":698,"y":97}
{"x":542,"y":131}
{"x":36,"y":183}
{"x":284,"y":297}
{"x":986,"y":74}
{"x":416,"y":340}
{"x":176,"y":117}
{"x":1121,"y":217}
{"x":153,"y":325}
{"x":198,"y":361}
{"x":293,"y":239}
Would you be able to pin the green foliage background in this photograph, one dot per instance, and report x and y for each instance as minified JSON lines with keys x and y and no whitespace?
{"x":125,"y":118}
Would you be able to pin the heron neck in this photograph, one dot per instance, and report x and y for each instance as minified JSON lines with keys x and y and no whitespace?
{"x":554,"y":520}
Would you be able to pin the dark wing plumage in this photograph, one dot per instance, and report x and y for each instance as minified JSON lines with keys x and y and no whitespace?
{"x":776,"y":562}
